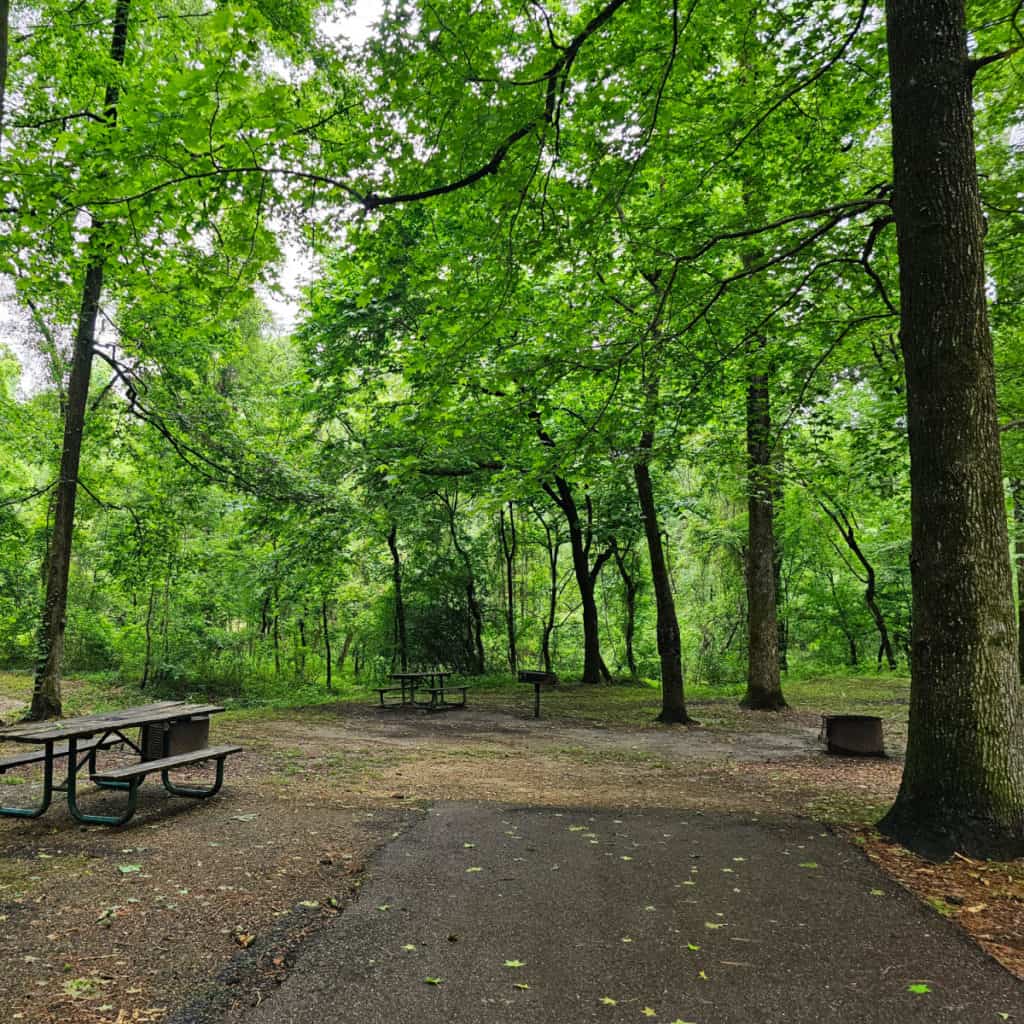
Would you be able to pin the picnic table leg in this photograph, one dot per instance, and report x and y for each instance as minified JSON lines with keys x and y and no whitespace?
{"x":198,"y":792}
{"x":103,"y":784}
{"x":44,"y":803}
{"x":72,"y":790}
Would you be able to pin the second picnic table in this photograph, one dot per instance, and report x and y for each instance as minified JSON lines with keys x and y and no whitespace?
{"x":432,"y":683}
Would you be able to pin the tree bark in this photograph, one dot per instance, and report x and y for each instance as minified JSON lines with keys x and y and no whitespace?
{"x":673,"y":703}
{"x":475,"y":618}
{"x":148,"y":663}
{"x":345,"y":645}
{"x":551,"y":546}
{"x":508,"y":550}
{"x":764,"y":684}
{"x":5,"y":22}
{"x":844,"y":625}
{"x":46,"y":696}
{"x":327,"y":643}
{"x":778,"y":493}
{"x":402,"y":651}
{"x":844,"y":525}
{"x":630,"y":587}
{"x":963,"y":780}
{"x":580,"y":542}
{"x":1017,"y":490}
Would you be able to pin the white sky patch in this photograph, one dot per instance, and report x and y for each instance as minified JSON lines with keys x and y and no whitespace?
{"x":354,"y":24}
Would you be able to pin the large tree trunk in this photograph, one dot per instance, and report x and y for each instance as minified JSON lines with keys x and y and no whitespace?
{"x":1017,"y":490}
{"x":401,"y":653}
{"x":778,"y":493}
{"x":673,"y":704}
{"x":764,"y":685}
{"x":963,"y":781}
{"x":46,"y":698}
{"x":5,"y":20}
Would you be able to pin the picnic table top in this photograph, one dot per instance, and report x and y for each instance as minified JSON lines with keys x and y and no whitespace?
{"x":86,"y":725}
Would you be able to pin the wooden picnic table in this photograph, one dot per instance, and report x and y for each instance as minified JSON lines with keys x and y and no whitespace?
{"x":407,"y":683}
{"x":171,"y":734}
{"x":432,"y":683}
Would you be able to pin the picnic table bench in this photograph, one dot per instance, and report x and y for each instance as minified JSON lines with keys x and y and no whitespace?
{"x":172,"y":734}
{"x":438,"y":697}
{"x":431,"y":683}
{"x":538,"y":679}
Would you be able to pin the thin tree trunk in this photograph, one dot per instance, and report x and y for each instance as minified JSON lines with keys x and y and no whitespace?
{"x":148,"y":663}
{"x":630,"y":588}
{"x":580,"y":541}
{"x":327,"y":642}
{"x":475,"y":620}
{"x":963,"y":779}
{"x":396,"y":576}
{"x":46,"y":696}
{"x":508,"y":549}
{"x":764,"y":686}
{"x":673,"y":703}
{"x":165,"y":619}
{"x":276,"y":627}
{"x":551,"y":546}
{"x":846,"y":529}
{"x":345,"y":645}
{"x":847,"y":629}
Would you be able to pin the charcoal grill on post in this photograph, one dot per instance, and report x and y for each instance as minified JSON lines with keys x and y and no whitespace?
{"x":538,"y":679}
{"x":856,"y":735}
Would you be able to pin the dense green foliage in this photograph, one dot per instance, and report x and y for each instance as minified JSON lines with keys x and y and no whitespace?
{"x":677,"y":196}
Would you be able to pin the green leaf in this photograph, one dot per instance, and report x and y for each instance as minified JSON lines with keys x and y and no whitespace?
{"x":129,"y":869}
{"x":919,"y":988}
{"x":513,"y":963}
{"x":434,"y":981}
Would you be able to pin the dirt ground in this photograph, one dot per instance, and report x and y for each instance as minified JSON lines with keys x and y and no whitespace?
{"x":123,"y":925}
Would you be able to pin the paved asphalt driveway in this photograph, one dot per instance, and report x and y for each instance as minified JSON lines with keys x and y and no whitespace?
{"x":533,"y":915}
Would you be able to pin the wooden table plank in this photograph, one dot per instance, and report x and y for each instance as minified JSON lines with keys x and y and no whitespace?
{"x":86,"y":725}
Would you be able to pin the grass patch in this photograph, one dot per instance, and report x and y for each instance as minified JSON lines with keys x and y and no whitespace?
{"x":846,"y":809}
{"x":20,"y":877}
